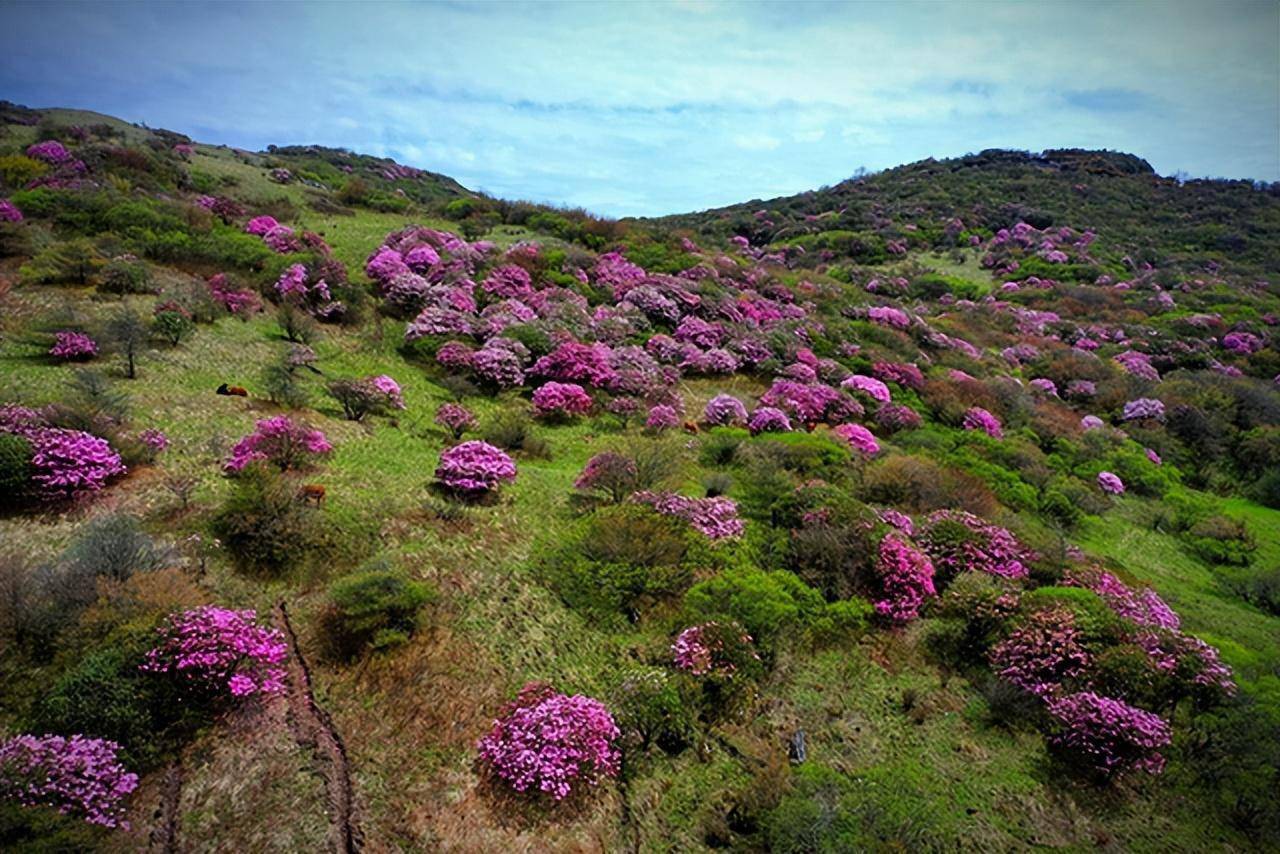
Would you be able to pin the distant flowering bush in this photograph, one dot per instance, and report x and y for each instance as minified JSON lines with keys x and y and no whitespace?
{"x":715,"y":518}
{"x":662,"y":417}
{"x":474,"y":468}
{"x":712,"y":649}
{"x":1090,"y":422}
{"x":1042,"y":653}
{"x":893,"y":417}
{"x":1045,"y":386}
{"x":50,"y":151}
{"x":610,"y":473}
{"x":1110,"y":483}
{"x":1145,"y":607}
{"x":1080,"y":389}
{"x":958,"y":541}
{"x":73,"y":346}
{"x":280,"y":441}
{"x":508,"y":282}
{"x":563,"y":400}
{"x":498,"y":366}
{"x":367,"y":396}
{"x":977,"y":418}
{"x":1143,"y":408}
{"x":455,"y":418}
{"x":77,"y":776}
{"x":549,"y":742}
{"x":889,"y":316}
{"x":241,"y":302}
{"x":260,"y":225}
{"x":859,"y":438}
{"x":1153,"y":456}
{"x":905,"y":375}
{"x":154,"y":440}
{"x":870,"y":386}
{"x":766,"y":419}
{"x":9,"y":211}
{"x":1107,"y":736}
{"x":1243,"y":343}
{"x":725,"y":410}
{"x":575,"y":362}
{"x":1138,"y":365}
{"x":65,"y":464}
{"x":905,"y":576}
{"x":221,"y":652}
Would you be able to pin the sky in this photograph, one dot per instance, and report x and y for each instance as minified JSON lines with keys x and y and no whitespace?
{"x":642,"y":109}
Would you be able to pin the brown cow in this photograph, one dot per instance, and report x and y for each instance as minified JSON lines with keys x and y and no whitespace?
{"x":691,"y":428}
{"x":233,"y":390}
{"x":312,"y":492}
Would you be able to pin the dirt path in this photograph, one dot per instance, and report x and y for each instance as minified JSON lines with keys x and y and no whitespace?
{"x":164,"y":836}
{"x":313,"y":728}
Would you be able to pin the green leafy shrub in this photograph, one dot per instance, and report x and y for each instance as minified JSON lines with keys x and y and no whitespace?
{"x":374,"y":609}
{"x":972,"y":615}
{"x":766,"y":604}
{"x":15,"y":469}
{"x":262,"y":523}
{"x":1221,"y":540}
{"x":172,"y":326}
{"x":1099,"y":626}
{"x":652,"y":707}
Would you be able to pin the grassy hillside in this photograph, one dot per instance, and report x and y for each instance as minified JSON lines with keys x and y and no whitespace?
{"x":912,"y":741}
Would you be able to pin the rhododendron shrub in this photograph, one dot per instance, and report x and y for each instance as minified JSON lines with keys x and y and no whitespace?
{"x":73,"y":346}
{"x":721,"y":651}
{"x":368,"y":396}
{"x":1042,"y":653}
{"x":9,"y":212}
{"x":905,"y":577}
{"x":1110,"y":483}
{"x":455,"y":418}
{"x":474,"y":468}
{"x":859,"y":438}
{"x":552,"y":743}
{"x":1106,"y":736}
{"x":725,"y":410}
{"x":280,"y":441}
{"x":959,"y":541}
{"x":50,"y":151}
{"x":609,"y":473}
{"x":220,"y":653}
{"x":78,"y":776}
{"x":977,"y":418}
{"x":662,"y":417}
{"x":65,"y":464}
{"x":561,"y":400}
{"x":715,"y":518}
{"x":766,"y":419}
{"x":1142,"y":409}
{"x":870,"y":386}
{"x":894,"y":417}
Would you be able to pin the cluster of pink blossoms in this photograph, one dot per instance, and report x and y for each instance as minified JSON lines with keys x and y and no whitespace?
{"x":1110,"y":483}
{"x":475,"y":468}
{"x":703,"y":650}
{"x":550,"y":742}
{"x":241,"y":302}
{"x":859,"y":438}
{"x":1108,"y":735}
{"x":73,"y":346}
{"x":563,"y":400}
{"x":725,"y":410}
{"x":280,"y":441}
{"x":714,"y":518}
{"x":889,"y":316}
{"x":1143,"y":408}
{"x":77,"y":776}
{"x":906,"y":578}
{"x":959,"y":541}
{"x":977,"y":418}
{"x":65,"y":464}
{"x":49,"y":151}
{"x":9,"y":211}
{"x":767,"y":419}
{"x":870,"y":386}
{"x":218,"y":649}
{"x":1041,"y":653}
{"x":455,"y":418}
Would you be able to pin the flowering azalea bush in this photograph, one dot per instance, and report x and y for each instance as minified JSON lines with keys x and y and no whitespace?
{"x":455,"y":418}
{"x":553,"y":743}
{"x":50,"y":151}
{"x":767,"y":419}
{"x":220,"y":652}
{"x":1143,"y":408}
{"x":280,"y":441}
{"x":725,"y":410}
{"x":959,"y":541}
{"x":715,"y":518}
{"x":609,"y":473}
{"x":368,"y":396}
{"x":9,"y":212}
{"x":662,"y":417}
{"x":859,"y":438}
{"x":977,"y":418}
{"x":905,"y":576}
{"x":1042,"y":653}
{"x":561,"y":400}
{"x":1110,"y":483}
{"x":475,"y":468}
{"x":77,"y":776}
{"x":713,"y":649}
{"x":870,"y":386}
{"x":1106,"y":736}
{"x":73,"y":346}
{"x":65,"y":464}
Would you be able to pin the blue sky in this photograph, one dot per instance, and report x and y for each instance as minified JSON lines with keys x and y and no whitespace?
{"x":645,"y":109}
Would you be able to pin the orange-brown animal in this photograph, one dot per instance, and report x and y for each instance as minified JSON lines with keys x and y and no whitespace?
{"x":233,"y":390}
{"x":312,"y":493}
{"x":691,"y":428}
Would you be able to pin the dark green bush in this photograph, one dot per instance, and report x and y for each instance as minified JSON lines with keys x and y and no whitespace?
{"x":652,"y":707}
{"x":766,"y":604}
{"x":15,"y":469}
{"x":374,"y":609}
{"x":125,"y":275}
{"x":262,"y":523}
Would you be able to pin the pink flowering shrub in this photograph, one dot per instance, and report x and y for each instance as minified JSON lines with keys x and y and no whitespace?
{"x":280,"y":441}
{"x":474,"y":468}
{"x":905,"y":375}
{"x":220,"y":652}
{"x":552,"y":743}
{"x":715,"y":518}
{"x":662,"y":417}
{"x":1042,"y":653}
{"x":376,"y":395}
{"x":77,"y":776}
{"x":455,"y":418}
{"x":870,"y":386}
{"x":889,"y":316}
{"x":9,"y":211}
{"x":1106,"y":736}
{"x":859,"y":438}
{"x":73,"y":346}
{"x":1143,"y":408}
{"x":905,"y":576}
{"x":713,"y":650}
{"x":1110,"y":483}
{"x":959,"y":541}
{"x":575,"y":362}
{"x":893,"y":417}
{"x":725,"y":410}
{"x":260,"y":225}
{"x":1144,"y":607}
{"x":69,"y":464}
{"x":561,"y":400}
{"x":240,"y":302}
{"x":767,"y":419}
{"x":977,"y":418}
{"x":1090,"y":422}
{"x":50,"y":151}
{"x":609,"y":473}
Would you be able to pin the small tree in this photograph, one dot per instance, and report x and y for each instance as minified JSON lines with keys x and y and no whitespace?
{"x":127,"y":335}
{"x":172,"y":325}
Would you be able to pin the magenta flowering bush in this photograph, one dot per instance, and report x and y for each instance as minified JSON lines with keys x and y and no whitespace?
{"x":662,"y":417}
{"x":69,"y":464}
{"x":1144,"y":607}
{"x":859,"y":438}
{"x":474,"y":468}
{"x":552,"y":743}
{"x":767,"y":419}
{"x":561,"y":400}
{"x":905,"y":375}
{"x":889,"y":316}
{"x":715,"y":518}
{"x":1110,"y":483}
{"x":870,"y":386}
{"x":1107,"y":736}
{"x":455,"y":418}
{"x":1042,"y":653}
{"x":977,"y":418}
{"x":958,"y":541}
{"x":73,"y":346}
{"x":905,"y":576}
{"x":280,"y":441}
{"x":240,"y":302}
{"x":260,"y":225}
{"x":576,"y":362}
{"x":893,"y":417}
{"x":610,"y":473}
{"x":1143,"y":408}
{"x":9,"y":212}
{"x":78,"y":776}
{"x":498,"y":366}
{"x":220,"y":652}
{"x":1244,"y":343}
{"x":1091,"y":422}
{"x":50,"y":151}
{"x":712,"y":649}
{"x":725,"y":410}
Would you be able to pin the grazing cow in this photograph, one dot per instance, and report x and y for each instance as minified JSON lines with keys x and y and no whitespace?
{"x":691,"y":428}
{"x":312,"y":492}
{"x":233,"y":390}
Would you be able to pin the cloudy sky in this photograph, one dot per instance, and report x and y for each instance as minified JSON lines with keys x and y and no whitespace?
{"x":651,"y":108}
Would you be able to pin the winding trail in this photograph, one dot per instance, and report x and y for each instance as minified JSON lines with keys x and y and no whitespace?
{"x":164,"y":836}
{"x":313,"y":728}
